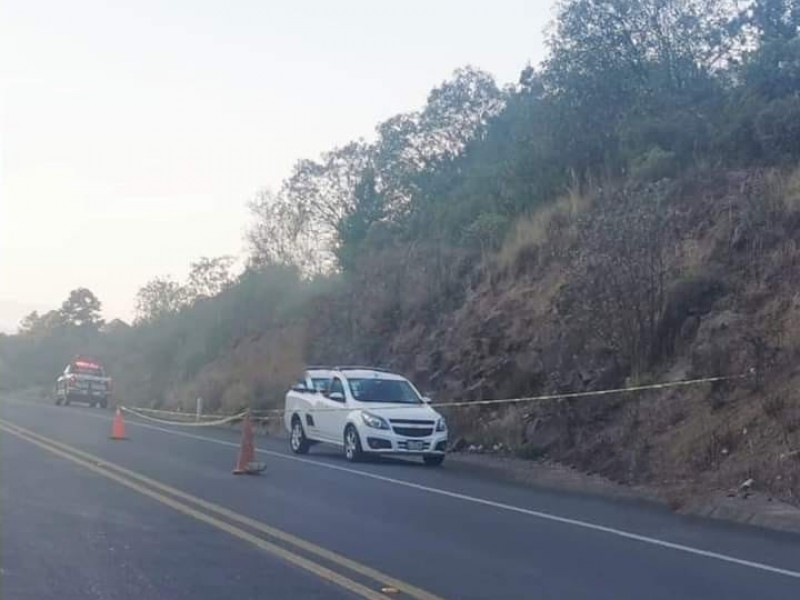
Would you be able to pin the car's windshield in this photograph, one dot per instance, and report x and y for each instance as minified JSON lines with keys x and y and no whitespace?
{"x":320,"y":383}
{"x":383,"y":390}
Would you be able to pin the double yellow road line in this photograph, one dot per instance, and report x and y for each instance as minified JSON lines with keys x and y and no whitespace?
{"x":297,"y":551}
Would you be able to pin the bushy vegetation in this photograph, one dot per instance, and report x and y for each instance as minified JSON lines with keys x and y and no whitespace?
{"x":170,"y":343}
{"x":381,"y":237}
{"x":646,"y":89}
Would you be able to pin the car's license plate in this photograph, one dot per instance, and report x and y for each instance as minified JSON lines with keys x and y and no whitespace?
{"x":415,"y":446}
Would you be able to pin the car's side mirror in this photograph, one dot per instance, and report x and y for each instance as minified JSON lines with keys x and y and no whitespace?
{"x":426,"y":400}
{"x":336,"y":396}
{"x":299,"y":387}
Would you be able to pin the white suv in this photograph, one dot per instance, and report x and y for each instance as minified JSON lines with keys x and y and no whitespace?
{"x":365,"y":411}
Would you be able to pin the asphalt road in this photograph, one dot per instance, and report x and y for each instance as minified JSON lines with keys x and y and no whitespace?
{"x":161,"y":516}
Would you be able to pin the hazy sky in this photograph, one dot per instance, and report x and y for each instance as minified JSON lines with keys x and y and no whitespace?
{"x":133,"y":133}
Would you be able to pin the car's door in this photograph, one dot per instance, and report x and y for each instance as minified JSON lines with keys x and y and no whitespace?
{"x":330,"y":413}
{"x":61,"y":382}
{"x":301,"y":400}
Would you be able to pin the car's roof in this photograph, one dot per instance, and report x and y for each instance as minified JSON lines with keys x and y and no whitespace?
{"x":367,"y":373}
{"x":353,"y":373}
{"x":319,"y":372}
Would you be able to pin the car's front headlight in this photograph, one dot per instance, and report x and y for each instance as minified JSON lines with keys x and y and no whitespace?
{"x":374,"y":421}
{"x":441,"y":425}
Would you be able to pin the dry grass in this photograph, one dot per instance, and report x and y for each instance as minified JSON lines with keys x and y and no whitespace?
{"x":536,"y":230}
{"x":791,"y":191}
{"x":692,"y":441}
{"x":783,"y":190}
{"x":236,"y":396}
{"x":256,"y":373}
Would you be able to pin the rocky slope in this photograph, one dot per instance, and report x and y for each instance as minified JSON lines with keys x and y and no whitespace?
{"x":680,"y":279}
{"x":658,"y":282}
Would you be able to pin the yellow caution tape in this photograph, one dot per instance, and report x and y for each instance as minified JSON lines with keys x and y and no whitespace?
{"x":257,"y":414}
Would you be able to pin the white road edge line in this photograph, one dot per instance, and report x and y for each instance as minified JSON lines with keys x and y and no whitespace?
{"x":499,"y":505}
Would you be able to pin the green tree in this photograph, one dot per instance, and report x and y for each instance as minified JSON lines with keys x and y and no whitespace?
{"x":354,"y":227}
{"x":773,"y":69}
{"x":774,"y":20}
{"x":297,"y":225}
{"x":273,"y":230}
{"x":417,"y":149}
{"x":158,"y":298}
{"x":302,"y":224}
{"x":614,"y":62}
{"x":81,"y":309}
{"x":115,"y":327}
{"x":759,"y":124}
{"x":30,"y":322}
{"x":39,"y":325}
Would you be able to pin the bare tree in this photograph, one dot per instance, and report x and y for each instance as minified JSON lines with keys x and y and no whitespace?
{"x":618,"y":297}
{"x":209,"y":276}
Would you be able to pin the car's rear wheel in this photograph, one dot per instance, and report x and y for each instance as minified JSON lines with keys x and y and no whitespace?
{"x":104,"y":403}
{"x":352,"y":445}
{"x":297,"y":440}
{"x":433,"y":460}
{"x":58,"y":400}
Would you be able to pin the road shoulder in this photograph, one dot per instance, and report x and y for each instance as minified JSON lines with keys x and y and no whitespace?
{"x":751,"y":508}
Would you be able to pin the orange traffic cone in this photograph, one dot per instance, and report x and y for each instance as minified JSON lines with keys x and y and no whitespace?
{"x":118,"y":427}
{"x":246,"y":463}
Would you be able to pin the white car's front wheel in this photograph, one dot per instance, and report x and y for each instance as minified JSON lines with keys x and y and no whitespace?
{"x":352,"y":444}
{"x":297,"y":440}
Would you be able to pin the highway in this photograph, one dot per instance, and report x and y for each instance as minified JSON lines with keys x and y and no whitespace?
{"x":160,"y":516}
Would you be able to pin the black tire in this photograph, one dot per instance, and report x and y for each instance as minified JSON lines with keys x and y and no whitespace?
{"x":433,"y":460}
{"x":352,"y":445}
{"x":58,"y":400}
{"x":298,"y":441}
{"x":104,"y":403}
{"x":66,"y":400}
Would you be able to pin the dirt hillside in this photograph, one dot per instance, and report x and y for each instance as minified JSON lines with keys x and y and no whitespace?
{"x":658,"y":282}
{"x":618,"y":286}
